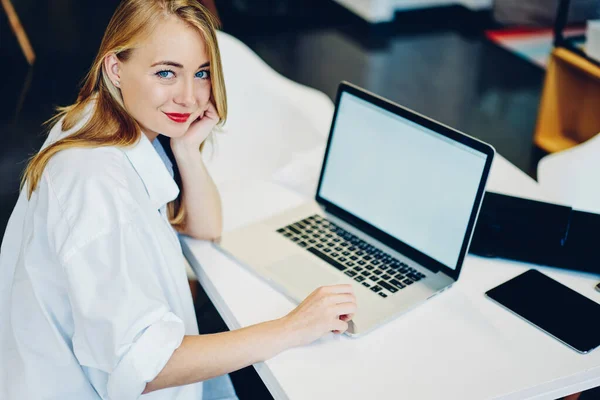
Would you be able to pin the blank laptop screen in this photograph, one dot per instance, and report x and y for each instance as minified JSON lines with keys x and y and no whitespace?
{"x":406,"y":180}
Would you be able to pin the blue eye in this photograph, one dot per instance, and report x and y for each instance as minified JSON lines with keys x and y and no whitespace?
{"x":165,"y":74}
{"x":203,"y":74}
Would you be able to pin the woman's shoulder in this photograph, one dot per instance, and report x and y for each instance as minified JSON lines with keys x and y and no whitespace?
{"x":93,"y":192}
{"x":92,"y":181}
{"x":107,"y":164}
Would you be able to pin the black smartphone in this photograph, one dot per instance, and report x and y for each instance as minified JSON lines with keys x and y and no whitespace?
{"x":552,"y":307}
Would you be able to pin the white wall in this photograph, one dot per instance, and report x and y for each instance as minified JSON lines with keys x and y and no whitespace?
{"x":383,"y":10}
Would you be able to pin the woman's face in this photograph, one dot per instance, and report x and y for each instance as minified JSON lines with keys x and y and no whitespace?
{"x":165,"y":83}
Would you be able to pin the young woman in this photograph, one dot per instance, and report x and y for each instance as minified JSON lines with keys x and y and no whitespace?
{"x":94,"y":300}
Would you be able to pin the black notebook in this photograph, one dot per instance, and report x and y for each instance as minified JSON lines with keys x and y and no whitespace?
{"x":537,"y":232}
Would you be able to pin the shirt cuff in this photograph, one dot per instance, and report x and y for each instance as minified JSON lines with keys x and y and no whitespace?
{"x":146,"y":358}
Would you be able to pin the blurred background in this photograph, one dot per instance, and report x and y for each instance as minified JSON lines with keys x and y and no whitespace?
{"x":455,"y":61}
{"x":476,"y":65}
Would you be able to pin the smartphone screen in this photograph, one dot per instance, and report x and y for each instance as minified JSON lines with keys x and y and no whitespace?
{"x":551,"y":306}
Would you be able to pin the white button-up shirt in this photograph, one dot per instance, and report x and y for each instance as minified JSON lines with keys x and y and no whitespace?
{"x":93,"y":293}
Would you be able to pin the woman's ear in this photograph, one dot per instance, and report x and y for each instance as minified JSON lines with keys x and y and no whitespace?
{"x":112,"y":66}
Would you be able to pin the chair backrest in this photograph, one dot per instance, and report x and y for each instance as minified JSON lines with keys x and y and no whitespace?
{"x":270,"y":118}
{"x":573,"y":176}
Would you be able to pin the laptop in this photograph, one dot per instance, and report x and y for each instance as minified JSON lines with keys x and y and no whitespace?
{"x":393,"y":214}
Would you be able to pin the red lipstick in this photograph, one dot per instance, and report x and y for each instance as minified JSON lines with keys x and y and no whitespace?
{"x":177,"y":117}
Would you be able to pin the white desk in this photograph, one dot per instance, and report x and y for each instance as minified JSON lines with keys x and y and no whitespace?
{"x":458,"y":345}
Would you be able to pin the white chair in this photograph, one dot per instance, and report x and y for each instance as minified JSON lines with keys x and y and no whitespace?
{"x":276,"y":129}
{"x":573,"y":176}
{"x":270,"y":118}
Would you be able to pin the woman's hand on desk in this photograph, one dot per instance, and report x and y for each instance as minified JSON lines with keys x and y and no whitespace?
{"x":327,"y":309}
{"x":203,"y":357}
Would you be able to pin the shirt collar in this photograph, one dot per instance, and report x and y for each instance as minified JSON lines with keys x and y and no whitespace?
{"x":154,"y":174}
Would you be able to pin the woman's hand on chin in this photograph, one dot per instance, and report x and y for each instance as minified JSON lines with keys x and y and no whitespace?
{"x":198,"y":130}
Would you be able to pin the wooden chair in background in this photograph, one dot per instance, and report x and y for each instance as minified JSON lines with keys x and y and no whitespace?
{"x":568,"y":113}
{"x":15,"y":24}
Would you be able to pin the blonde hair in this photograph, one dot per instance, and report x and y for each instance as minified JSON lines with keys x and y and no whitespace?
{"x":110,"y":124}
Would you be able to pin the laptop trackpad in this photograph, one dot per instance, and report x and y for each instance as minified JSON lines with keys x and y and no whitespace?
{"x":300,"y":275}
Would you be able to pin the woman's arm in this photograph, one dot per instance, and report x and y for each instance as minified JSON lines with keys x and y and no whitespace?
{"x":204,"y":357}
{"x":200,"y":195}
{"x":198,"y":358}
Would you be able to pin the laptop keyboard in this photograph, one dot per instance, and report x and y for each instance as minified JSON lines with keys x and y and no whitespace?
{"x":366,"y":264}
